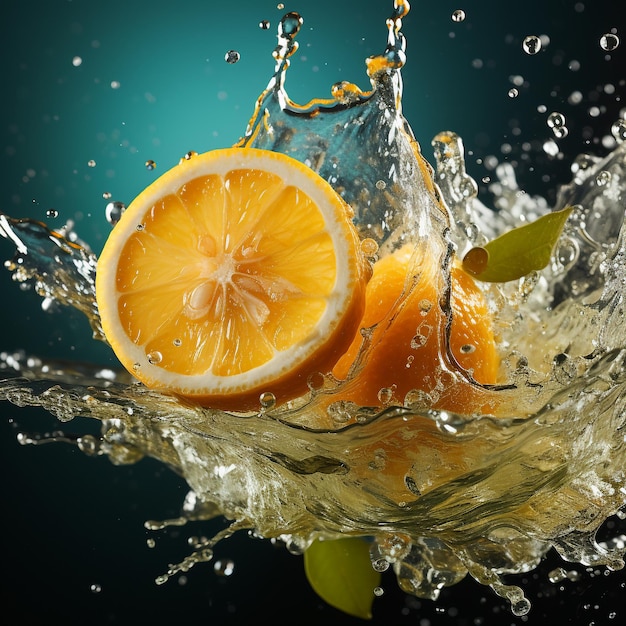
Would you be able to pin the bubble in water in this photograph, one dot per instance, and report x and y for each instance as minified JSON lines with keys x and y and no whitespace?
{"x":378,"y":591}
{"x":91,"y":163}
{"x":531,"y":44}
{"x":513,"y":92}
{"x":560,"y":132}
{"x":154,"y":357}
{"x":232,"y":56}
{"x":114,"y":211}
{"x":618,"y":130}
{"x":178,"y":342}
{"x":369,"y":246}
{"x":609,"y":42}
{"x":458,"y":15}
{"x":52,"y":213}
{"x":77,"y":61}
{"x":150,"y":164}
{"x":264,"y":24}
{"x":106,"y":195}
{"x":115,"y":84}
{"x":95,"y":588}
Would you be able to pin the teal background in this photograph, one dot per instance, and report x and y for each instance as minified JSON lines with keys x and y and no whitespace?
{"x":72,"y":521}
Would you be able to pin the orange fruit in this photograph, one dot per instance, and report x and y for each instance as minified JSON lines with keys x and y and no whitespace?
{"x":237,"y":272}
{"x":407,"y":350}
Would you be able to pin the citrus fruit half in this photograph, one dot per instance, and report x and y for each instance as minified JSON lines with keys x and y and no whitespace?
{"x":236,"y":273}
{"x":411,"y":348}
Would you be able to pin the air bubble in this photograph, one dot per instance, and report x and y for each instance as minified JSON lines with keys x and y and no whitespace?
{"x":95,"y":588}
{"x":609,"y":42}
{"x":378,"y":591}
{"x":150,"y":164}
{"x":264,"y":24}
{"x":155,"y":357}
{"x":531,"y":44}
{"x":107,"y":195}
{"x":513,"y":93}
{"x":50,"y":213}
{"x":316,"y":381}
{"x":385,"y":395}
{"x":91,"y":163}
{"x":267,"y":400}
{"x":77,"y":61}
{"x":114,"y":211}
{"x":468,"y":348}
{"x":560,"y":132}
{"x":380,"y":184}
{"x":458,"y":15}
{"x":177,"y":343}
{"x":232,"y":56}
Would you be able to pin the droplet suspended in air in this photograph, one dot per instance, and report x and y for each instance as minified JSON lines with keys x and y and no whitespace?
{"x":458,"y":15}
{"x":113,"y":212}
{"x":609,"y":42}
{"x":232,"y":56}
{"x":556,"y":120}
{"x":618,"y":130}
{"x":150,"y":164}
{"x":531,"y":44}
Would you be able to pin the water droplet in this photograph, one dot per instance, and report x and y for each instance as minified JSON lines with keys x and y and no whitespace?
{"x":154,"y":357}
{"x":458,"y":15}
{"x":369,"y":247}
{"x":560,"y":132}
{"x":378,"y":591}
{"x":115,"y":84}
{"x":267,"y":399}
{"x":513,"y":93}
{"x":114,"y":211}
{"x":140,"y":227}
{"x":264,"y":24}
{"x":232,"y":56}
{"x":77,"y":61}
{"x":531,"y":44}
{"x":316,"y":381}
{"x":380,"y":565}
{"x":189,"y":155}
{"x":150,"y":164}
{"x":280,"y":6}
{"x":380,"y":184}
{"x":50,"y":213}
{"x":385,"y":395}
{"x":618,"y":130}
{"x":557,"y":575}
{"x":224,"y":567}
{"x":556,"y":120}
{"x":95,"y":588}
{"x":150,"y":543}
{"x":603,"y":178}
{"x":106,"y":195}
{"x":468,"y":348}
{"x":178,"y":342}
{"x":609,"y":42}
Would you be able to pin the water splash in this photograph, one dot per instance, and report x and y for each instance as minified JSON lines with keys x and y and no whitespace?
{"x":488,"y":495}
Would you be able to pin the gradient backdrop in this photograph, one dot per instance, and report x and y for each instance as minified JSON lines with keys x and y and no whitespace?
{"x":123,"y":81}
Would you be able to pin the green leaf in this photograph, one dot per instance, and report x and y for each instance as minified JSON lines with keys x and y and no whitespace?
{"x":341,"y":573}
{"x":517,"y":252}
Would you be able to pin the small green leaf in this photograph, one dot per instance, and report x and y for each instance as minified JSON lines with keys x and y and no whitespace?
{"x":517,"y":252}
{"x":341,"y":573}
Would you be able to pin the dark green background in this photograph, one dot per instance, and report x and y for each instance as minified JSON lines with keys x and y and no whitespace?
{"x":70,"y":521}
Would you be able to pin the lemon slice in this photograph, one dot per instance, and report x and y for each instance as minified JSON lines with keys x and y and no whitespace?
{"x":236,"y":273}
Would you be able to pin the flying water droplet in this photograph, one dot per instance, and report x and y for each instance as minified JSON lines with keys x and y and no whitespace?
{"x":531,"y":44}
{"x":114,"y":211}
{"x":609,"y":42}
{"x":232,"y":56}
{"x":458,"y":15}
